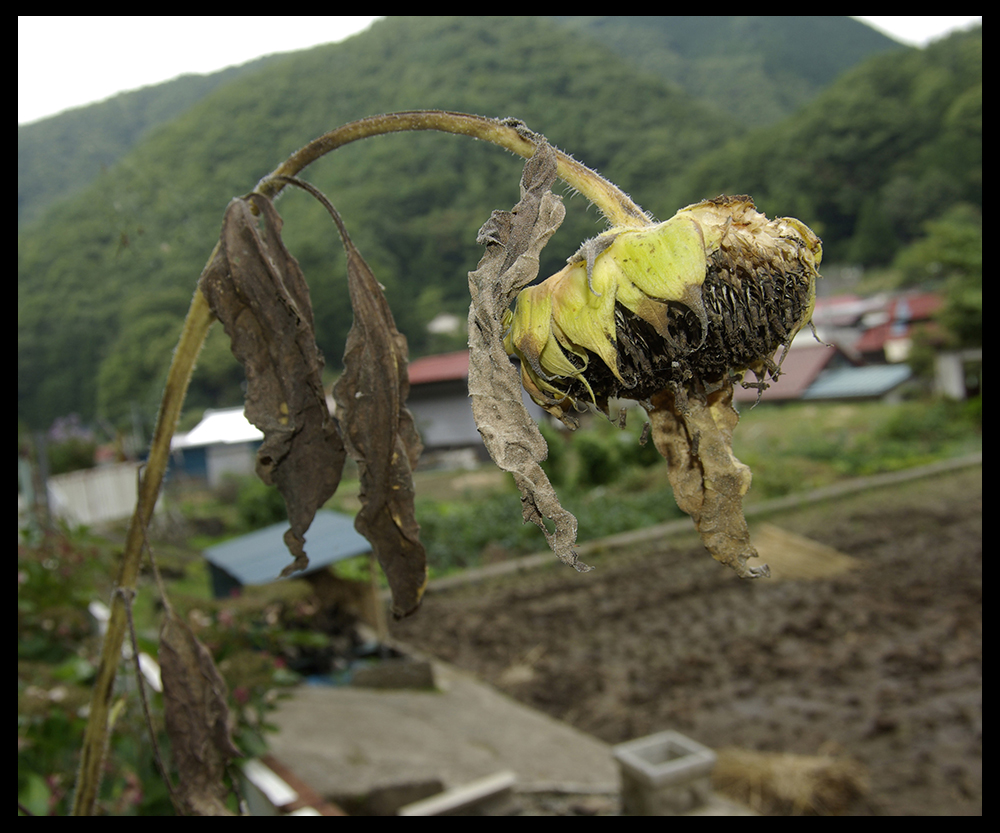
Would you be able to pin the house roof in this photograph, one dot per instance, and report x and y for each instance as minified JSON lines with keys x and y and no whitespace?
{"x":259,"y":557}
{"x":858,"y":382}
{"x":225,"y":426}
{"x":900,"y":313}
{"x":799,"y":370}
{"x":843,"y":310}
{"x":446,"y":367}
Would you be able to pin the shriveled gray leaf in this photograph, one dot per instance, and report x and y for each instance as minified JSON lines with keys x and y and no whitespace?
{"x":256,"y":289}
{"x":513,"y":242}
{"x":196,"y":714}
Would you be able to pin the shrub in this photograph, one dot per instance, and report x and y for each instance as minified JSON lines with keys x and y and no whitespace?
{"x":600,"y":459}
{"x":259,"y":505}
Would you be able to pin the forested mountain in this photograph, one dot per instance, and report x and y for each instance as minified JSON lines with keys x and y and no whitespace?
{"x":758,"y":69}
{"x":893,"y":144}
{"x":58,"y":156}
{"x":105,"y":276}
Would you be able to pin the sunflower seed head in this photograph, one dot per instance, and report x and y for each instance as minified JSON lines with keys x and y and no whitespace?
{"x":710,"y":293}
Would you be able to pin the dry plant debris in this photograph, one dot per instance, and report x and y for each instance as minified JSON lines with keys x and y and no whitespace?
{"x":256,"y":288}
{"x":196,"y":713}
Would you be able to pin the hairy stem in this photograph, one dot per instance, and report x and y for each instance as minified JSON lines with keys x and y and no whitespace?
{"x":616,"y":205}
{"x":196,"y":326}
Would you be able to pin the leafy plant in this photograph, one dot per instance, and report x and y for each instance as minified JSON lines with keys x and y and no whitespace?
{"x":671,"y":314}
{"x":259,"y":505}
{"x":58,"y":576}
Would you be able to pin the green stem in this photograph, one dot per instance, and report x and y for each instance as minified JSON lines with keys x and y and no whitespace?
{"x":196,"y":326}
{"x":608,"y":197}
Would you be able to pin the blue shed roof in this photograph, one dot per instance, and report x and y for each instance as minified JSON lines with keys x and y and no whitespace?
{"x":259,"y":557}
{"x":870,"y":381}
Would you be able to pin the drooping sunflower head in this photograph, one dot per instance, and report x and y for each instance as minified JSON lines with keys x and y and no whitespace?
{"x":705,"y":296}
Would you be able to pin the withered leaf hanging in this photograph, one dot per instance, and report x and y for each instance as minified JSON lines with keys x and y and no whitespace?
{"x":256,"y":289}
{"x":695,"y":436}
{"x":513,"y":242}
{"x":196,"y":714}
{"x":378,"y":430}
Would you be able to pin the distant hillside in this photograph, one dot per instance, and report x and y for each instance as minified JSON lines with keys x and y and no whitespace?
{"x":58,"y":156}
{"x":755,"y":69}
{"x":758,"y":69}
{"x":105,"y":275}
{"x":122,"y":257}
{"x":894,"y":143}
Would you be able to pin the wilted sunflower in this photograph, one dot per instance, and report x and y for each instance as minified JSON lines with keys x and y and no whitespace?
{"x":694,"y":302}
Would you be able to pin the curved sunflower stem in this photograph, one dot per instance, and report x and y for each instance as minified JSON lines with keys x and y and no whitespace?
{"x":614,"y":203}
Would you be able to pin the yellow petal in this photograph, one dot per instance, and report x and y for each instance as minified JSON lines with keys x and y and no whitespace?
{"x":585,"y":317}
{"x":664,"y":261}
{"x":530,"y":336}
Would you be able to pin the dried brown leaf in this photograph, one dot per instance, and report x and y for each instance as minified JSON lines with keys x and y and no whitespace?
{"x":694,"y":433}
{"x":513,"y":242}
{"x":256,"y":289}
{"x":379,"y":433}
{"x":197,"y":718}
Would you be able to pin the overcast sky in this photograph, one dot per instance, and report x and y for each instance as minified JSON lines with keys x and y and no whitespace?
{"x":66,"y":62}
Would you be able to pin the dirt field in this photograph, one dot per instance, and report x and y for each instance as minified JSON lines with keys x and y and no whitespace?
{"x":881,"y":664}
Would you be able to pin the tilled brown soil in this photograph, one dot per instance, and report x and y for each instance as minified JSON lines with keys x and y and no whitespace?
{"x":881,"y":664}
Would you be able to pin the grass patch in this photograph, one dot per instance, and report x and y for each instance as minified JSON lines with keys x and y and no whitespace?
{"x":803,"y":446}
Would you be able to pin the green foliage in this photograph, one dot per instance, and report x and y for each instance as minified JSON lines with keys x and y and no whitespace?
{"x":890,"y":145}
{"x":950,"y":256}
{"x":556,"y":464}
{"x":57,"y":655}
{"x":606,"y":478}
{"x":457,"y":533}
{"x":259,"y":505}
{"x":797,"y":447}
{"x":460,"y":534}
{"x":898,"y":140}
{"x":71,"y":454}
{"x":597,"y":456}
{"x":61,"y":155}
{"x":757,"y":69}
{"x":599,"y":459}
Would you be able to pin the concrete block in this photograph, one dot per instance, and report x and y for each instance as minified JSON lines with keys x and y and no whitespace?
{"x":665,"y":774}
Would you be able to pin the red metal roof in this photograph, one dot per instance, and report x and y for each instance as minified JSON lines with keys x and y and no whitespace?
{"x":799,"y":370}
{"x":903,"y":311}
{"x":447,"y":367}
